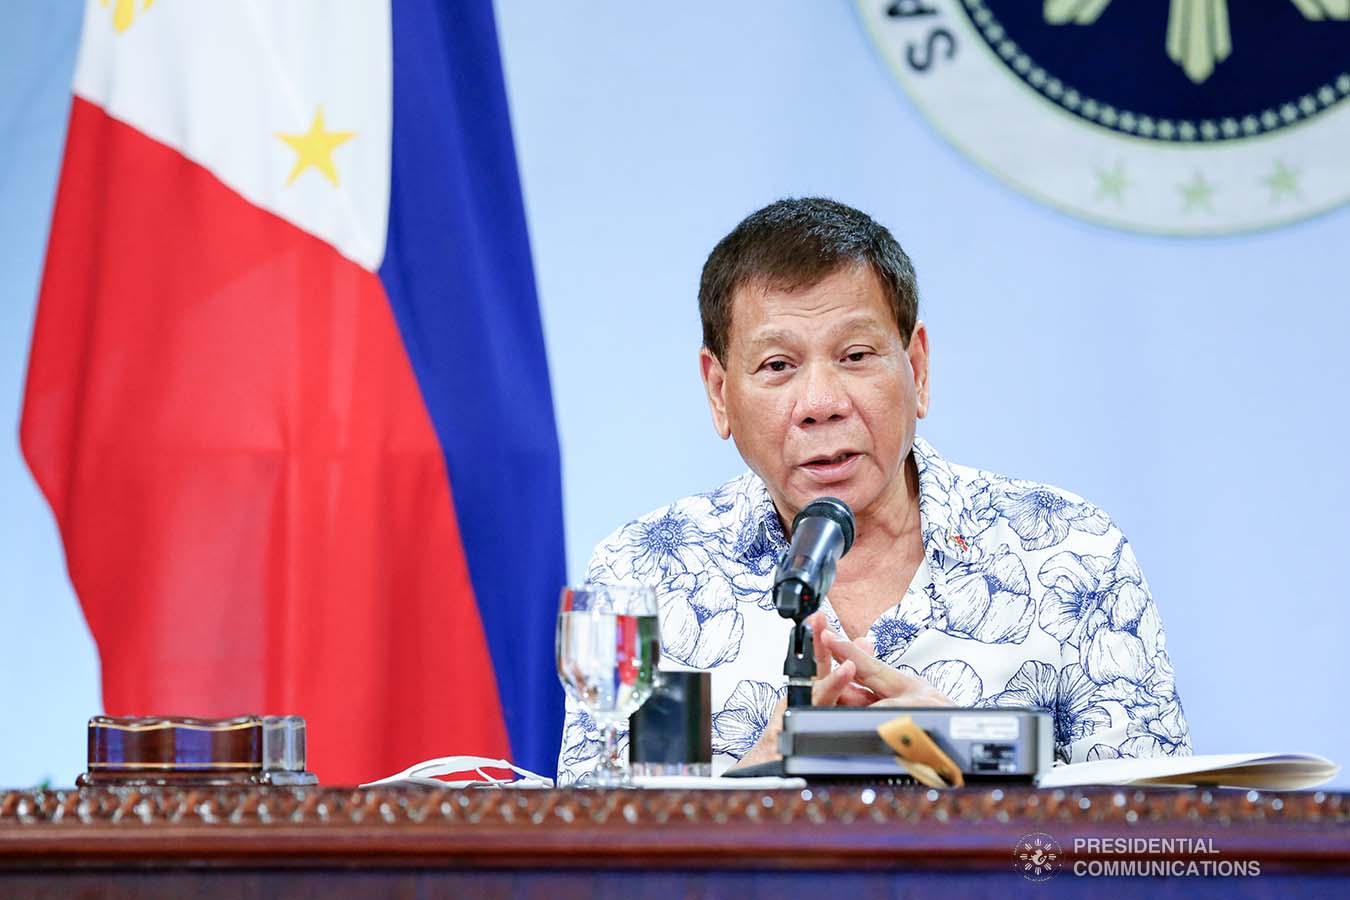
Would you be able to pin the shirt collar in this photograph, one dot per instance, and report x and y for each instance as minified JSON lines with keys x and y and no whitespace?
{"x":941,"y":499}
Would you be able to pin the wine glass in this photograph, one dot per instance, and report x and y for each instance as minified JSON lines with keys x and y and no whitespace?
{"x":608,"y":648}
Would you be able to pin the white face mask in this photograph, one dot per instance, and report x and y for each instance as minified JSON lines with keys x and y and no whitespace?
{"x":424,"y":773}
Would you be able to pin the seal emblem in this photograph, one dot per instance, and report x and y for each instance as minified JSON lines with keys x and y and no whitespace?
{"x":1036,"y":856}
{"x":1186,"y":117}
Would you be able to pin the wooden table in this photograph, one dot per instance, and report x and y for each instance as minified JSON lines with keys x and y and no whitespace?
{"x":833,"y":842}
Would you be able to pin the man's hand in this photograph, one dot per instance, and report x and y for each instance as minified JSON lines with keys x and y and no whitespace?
{"x":854,"y":677}
{"x":835,"y":687}
{"x":891,"y":686}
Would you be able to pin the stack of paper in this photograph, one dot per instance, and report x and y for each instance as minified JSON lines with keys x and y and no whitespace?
{"x":1260,"y":771}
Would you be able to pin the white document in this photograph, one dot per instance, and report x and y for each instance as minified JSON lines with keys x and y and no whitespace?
{"x":1259,"y":771}
{"x":714,"y":783}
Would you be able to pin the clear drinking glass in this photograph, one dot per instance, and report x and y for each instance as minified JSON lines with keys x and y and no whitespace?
{"x":608,"y":649}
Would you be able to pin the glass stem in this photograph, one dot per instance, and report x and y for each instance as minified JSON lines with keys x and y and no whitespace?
{"x":611,"y":770}
{"x":612,"y":760}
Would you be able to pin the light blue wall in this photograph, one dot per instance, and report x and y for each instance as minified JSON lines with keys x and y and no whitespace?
{"x":1193,"y":388}
{"x":48,"y":667}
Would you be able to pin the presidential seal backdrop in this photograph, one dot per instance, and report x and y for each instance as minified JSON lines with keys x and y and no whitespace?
{"x":1186,"y":117}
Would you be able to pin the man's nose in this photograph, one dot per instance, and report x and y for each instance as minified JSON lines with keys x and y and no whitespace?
{"x":824,"y":396}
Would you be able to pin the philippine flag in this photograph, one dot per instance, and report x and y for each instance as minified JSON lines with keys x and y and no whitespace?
{"x":288,"y":396}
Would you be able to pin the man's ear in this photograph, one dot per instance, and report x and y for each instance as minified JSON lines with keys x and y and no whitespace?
{"x":918,"y":361}
{"x":715,"y":383}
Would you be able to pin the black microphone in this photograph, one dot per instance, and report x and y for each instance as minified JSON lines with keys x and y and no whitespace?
{"x":821,"y":533}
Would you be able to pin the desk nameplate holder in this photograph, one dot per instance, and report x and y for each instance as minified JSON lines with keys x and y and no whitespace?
{"x":180,"y":750}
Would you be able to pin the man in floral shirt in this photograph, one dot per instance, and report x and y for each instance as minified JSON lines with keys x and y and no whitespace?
{"x":962,"y":587}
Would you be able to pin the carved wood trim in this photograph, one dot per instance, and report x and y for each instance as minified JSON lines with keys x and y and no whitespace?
{"x":822,"y":827}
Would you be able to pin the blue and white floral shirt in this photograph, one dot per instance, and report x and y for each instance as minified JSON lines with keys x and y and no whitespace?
{"x":1028,"y":596}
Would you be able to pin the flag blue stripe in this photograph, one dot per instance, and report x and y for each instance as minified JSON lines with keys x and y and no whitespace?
{"x":458,"y":273}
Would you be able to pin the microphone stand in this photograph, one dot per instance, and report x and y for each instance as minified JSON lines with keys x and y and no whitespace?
{"x":795,"y":601}
{"x":821,"y":533}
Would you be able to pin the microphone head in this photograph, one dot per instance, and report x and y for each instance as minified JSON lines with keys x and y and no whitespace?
{"x":833,"y":509}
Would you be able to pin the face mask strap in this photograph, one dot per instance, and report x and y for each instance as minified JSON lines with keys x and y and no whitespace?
{"x":425,"y":772}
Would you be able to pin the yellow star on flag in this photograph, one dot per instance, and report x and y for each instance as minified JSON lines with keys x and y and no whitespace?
{"x":315,"y":148}
{"x":124,"y":12}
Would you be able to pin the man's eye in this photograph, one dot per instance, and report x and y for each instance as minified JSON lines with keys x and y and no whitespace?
{"x":856,"y":356}
{"x":776,"y":365}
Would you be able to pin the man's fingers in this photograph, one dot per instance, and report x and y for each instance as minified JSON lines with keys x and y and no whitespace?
{"x":856,"y":695}
{"x":824,"y":661}
{"x":827,"y":691}
{"x":928,"y":696}
{"x":874,"y":674}
{"x":859,"y":678}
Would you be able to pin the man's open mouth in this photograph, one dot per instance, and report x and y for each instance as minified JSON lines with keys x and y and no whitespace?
{"x":825,"y":461}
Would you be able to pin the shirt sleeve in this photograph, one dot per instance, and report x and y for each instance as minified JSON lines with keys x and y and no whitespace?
{"x":1117,"y":695}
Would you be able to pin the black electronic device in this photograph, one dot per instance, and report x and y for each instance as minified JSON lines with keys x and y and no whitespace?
{"x":986,"y":744}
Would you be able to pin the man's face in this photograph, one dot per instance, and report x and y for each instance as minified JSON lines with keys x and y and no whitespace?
{"x":819,"y":392}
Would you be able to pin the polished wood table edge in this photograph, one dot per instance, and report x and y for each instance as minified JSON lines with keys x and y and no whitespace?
{"x":818,"y":828}
{"x":760,"y":847}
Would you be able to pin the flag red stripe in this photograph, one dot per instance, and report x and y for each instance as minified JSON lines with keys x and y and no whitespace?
{"x":254,"y":505}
